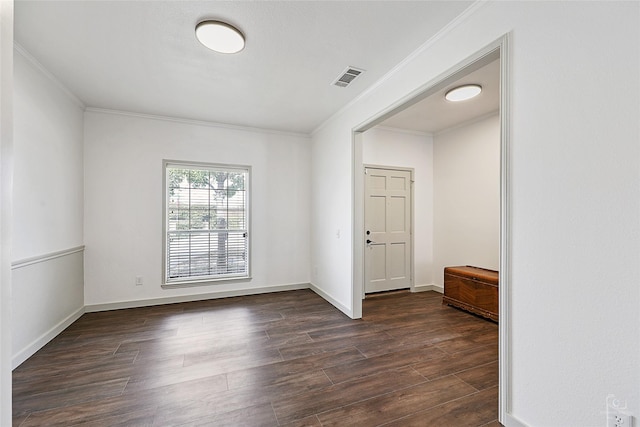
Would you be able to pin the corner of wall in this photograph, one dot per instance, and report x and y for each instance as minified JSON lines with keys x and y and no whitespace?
{"x":333,"y":301}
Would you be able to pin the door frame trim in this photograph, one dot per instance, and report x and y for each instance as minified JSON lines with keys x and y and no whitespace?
{"x":502,"y":47}
{"x":411,"y":171}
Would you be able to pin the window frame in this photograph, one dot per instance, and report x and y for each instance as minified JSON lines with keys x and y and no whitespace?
{"x":202,"y":280}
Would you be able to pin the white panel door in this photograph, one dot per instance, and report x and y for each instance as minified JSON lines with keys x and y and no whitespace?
{"x":387,"y":218}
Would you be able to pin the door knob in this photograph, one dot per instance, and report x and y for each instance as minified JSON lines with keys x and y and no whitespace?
{"x":369,"y":241}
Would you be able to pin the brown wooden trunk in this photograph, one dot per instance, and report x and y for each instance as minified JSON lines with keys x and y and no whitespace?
{"x":473,"y":289}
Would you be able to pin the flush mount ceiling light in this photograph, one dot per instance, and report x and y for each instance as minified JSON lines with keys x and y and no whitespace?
{"x":462,"y":93}
{"x":220,"y":36}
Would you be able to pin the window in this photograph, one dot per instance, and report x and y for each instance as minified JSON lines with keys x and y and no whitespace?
{"x":207,"y":224}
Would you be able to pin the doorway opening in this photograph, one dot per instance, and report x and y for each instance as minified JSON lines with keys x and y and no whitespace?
{"x":494,"y":55}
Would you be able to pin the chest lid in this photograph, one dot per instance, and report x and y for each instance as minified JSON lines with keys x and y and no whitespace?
{"x":474,"y":273}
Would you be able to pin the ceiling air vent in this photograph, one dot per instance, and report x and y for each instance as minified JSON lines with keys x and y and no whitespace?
{"x":347,"y":76}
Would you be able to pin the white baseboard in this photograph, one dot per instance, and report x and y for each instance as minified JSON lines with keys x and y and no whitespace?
{"x":43,"y":339}
{"x":331,"y":300}
{"x":511,"y":421}
{"x":91,"y":308}
{"x":430,"y":287}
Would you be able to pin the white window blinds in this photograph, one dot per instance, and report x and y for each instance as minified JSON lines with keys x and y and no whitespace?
{"x":206,"y":222}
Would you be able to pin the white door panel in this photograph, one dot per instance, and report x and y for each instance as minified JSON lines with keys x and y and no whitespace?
{"x":397,"y":214}
{"x":387,"y":229}
{"x":379,"y":263}
{"x":378,"y":205}
{"x":398,"y":261}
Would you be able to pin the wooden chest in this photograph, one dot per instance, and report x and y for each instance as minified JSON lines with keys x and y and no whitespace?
{"x":473,"y":289}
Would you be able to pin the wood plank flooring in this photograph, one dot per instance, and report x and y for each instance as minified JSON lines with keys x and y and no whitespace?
{"x":282,"y":359}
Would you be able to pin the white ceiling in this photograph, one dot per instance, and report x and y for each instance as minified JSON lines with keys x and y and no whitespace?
{"x":435,"y":114}
{"x":142,"y":56}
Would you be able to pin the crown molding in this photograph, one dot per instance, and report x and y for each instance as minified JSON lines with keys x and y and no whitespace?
{"x":195,"y":122}
{"x":43,"y":70}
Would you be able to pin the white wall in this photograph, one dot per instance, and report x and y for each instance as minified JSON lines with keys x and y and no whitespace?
{"x":124,"y":211}
{"x":47,"y":208}
{"x":467,"y":196}
{"x":575,"y":201}
{"x":6,"y":173}
{"x":390,"y":147}
{"x":331,"y":211}
{"x":48,"y":190}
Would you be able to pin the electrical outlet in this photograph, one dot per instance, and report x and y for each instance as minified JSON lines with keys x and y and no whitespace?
{"x":620,"y":419}
{"x":138,"y":280}
{"x":623,"y":420}
{"x":617,"y":414}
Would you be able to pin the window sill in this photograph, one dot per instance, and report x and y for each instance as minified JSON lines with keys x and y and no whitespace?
{"x":204,"y":282}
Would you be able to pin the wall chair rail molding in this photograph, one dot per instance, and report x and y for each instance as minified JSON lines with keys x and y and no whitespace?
{"x":46,"y":257}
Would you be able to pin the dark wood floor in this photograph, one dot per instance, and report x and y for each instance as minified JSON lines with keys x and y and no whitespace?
{"x":287,"y":358}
